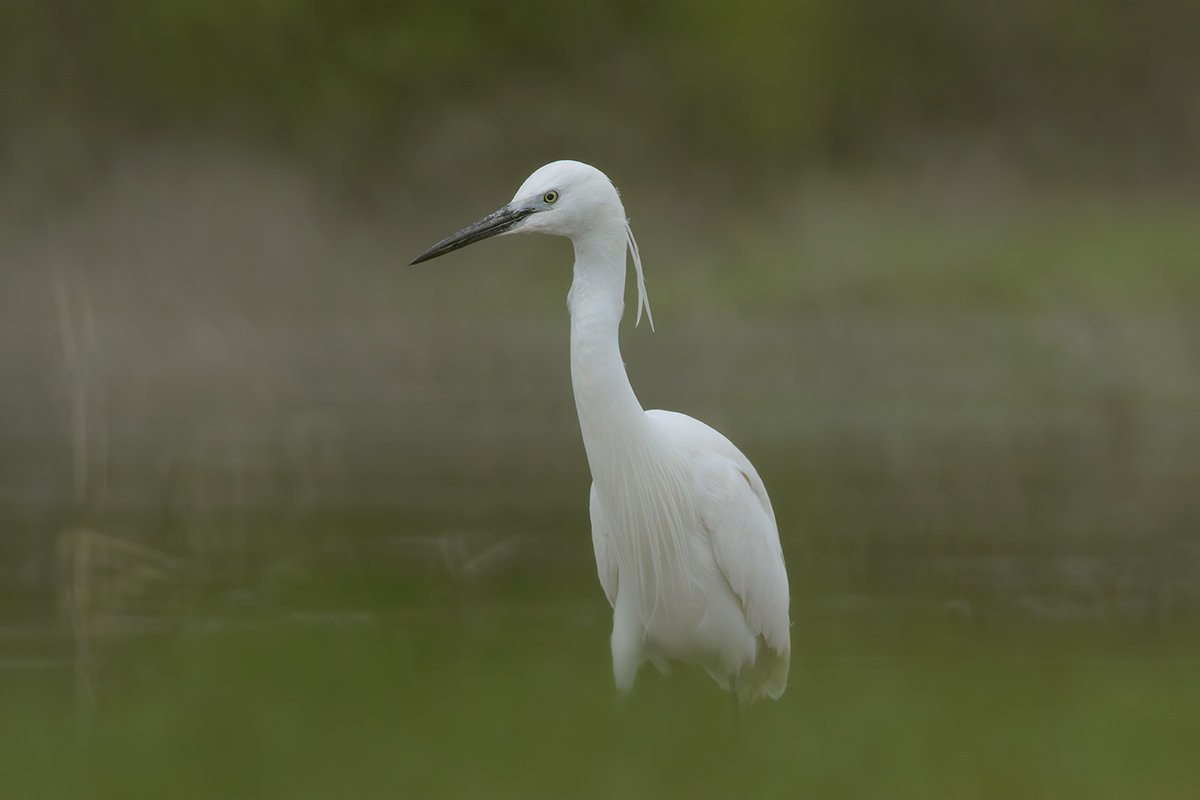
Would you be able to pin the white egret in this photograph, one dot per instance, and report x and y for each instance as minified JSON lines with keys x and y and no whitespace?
{"x":685,"y":538}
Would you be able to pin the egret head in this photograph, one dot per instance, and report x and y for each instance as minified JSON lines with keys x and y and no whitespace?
{"x":563,"y":198}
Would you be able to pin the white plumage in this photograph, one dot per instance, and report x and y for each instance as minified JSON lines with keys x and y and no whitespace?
{"x":684,"y":535}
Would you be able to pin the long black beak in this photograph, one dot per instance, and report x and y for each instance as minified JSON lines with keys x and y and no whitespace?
{"x":495,"y":223}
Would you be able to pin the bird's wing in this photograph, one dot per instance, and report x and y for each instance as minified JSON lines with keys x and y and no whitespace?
{"x":733,"y":509}
{"x":606,"y":562}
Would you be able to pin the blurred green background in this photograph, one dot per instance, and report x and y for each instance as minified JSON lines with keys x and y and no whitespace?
{"x":282,"y":517}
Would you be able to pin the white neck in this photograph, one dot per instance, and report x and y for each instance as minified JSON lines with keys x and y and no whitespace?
{"x":637,"y":476}
{"x":610,"y":416}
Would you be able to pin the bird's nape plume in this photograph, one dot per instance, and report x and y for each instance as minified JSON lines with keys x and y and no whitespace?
{"x":643,"y":298}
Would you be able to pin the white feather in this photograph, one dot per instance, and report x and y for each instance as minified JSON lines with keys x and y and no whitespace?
{"x":643,"y":297}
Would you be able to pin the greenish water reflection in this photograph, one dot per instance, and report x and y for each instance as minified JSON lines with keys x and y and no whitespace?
{"x":512,"y":700}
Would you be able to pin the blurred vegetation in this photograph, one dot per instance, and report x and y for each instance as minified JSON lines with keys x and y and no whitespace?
{"x":279,"y":517}
{"x":764,"y":84}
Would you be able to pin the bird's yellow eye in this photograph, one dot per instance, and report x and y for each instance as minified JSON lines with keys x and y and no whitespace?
{"x":550,"y":197}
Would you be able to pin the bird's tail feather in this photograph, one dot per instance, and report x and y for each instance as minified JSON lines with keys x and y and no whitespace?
{"x":767,"y":677}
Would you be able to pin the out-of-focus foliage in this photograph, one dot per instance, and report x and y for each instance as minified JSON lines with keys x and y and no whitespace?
{"x":280,"y":517}
{"x":783,"y":82}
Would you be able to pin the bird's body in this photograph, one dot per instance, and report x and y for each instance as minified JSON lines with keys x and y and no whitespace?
{"x":684,"y":535}
{"x":688,"y":564}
